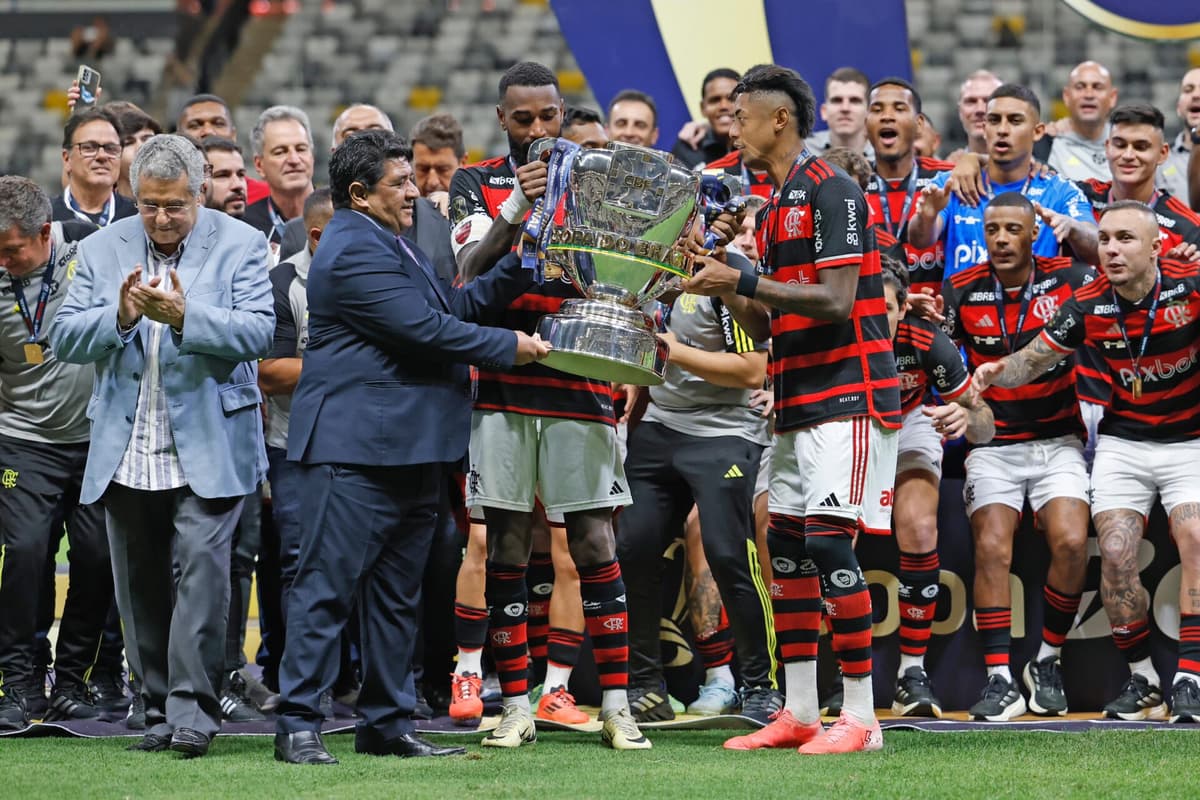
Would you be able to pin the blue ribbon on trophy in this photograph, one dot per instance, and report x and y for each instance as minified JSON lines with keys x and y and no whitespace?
{"x":721,"y":194}
{"x":537,"y":229}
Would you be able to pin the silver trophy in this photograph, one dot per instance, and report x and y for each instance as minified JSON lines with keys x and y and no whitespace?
{"x":626,"y":210}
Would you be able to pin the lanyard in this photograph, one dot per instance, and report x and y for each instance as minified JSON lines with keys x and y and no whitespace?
{"x":1150,"y":313}
{"x":106,"y":213}
{"x":34,"y":321}
{"x":908,"y":201}
{"x":278,"y":223}
{"x":987,"y":181}
{"x":1026,"y":297}
{"x":769,"y":256}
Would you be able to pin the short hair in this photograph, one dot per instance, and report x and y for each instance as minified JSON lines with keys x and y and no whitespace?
{"x":1132,"y":205}
{"x":979,"y":74}
{"x":437,"y":132}
{"x":774,"y":78}
{"x":893,"y":80}
{"x":754,"y":202}
{"x":526,"y":73}
{"x":337,"y":123}
{"x":167,"y":157}
{"x":577,"y":115}
{"x":360,"y":159}
{"x":848,"y":75}
{"x":277,"y":114}
{"x":1137,"y":114}
{"x":76,"y":121}
{"x":320,"y":201}
{"x":23,"y":204}
{"x":1020,"y":92}
{"x":894,"y":274}
{"x":637,"y":97}
{"x":132,"y":120}
{"x":1012,"y":200}
{"x":211,"y":143}
{"x":719,"y":72}
{"x":855,"y":164}
{"x":203,"y":98}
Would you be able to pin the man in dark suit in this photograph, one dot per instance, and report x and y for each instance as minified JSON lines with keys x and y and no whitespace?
{"x":382,"y":405}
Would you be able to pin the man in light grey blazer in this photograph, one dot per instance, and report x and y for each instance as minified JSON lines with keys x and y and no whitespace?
{"x":173,"y":307}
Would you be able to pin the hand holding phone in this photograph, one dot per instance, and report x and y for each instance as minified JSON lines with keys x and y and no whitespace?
{"x":88,"y":81}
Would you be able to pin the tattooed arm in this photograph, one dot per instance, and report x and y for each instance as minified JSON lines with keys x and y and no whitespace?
{"x":1019,"y":368}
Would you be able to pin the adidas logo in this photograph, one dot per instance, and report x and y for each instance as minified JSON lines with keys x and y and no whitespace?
{"x":734,"y":472}
{"x":986,"y":321}
{"x":616,"y":489}
{"x":830,"y":502}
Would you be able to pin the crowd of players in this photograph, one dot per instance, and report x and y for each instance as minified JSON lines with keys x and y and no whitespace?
{"x":1060,"y":259}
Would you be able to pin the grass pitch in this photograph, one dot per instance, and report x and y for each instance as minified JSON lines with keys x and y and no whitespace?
{"x":683,"y":764}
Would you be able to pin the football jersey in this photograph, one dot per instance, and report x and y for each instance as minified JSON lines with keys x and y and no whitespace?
{"x":476,"y":194}
{"x":821,"y":370}
{"x":1176,"y":224}
{"x":926,"y":357}
{"x":1168,"y":409}
{"x":962,"y":225}
{"x":753,"y":181}
{"x":991,"y":322}
{"x":895,"y":203}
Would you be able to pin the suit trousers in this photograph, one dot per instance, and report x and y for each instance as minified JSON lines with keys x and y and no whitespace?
{"x":178,"y":651}
{"x":365,"y":538}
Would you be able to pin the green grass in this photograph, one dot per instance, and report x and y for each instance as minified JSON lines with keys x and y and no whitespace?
{"x":683,"y":764}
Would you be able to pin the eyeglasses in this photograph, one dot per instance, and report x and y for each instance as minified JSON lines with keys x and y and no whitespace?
{"x":90,"y":149}
{"x":171,"y":209}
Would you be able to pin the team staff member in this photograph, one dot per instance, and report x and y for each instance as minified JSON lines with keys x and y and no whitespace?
{"x":836,"y":393}
{"x":176,"y":433}
{"x":925,"y":359}
{"x":992,"y":309}
{"x":540,"y":434}
{"x":389,"y":339}
{"x":1142,"y":316}
{"x":43,"y":448}
{"x":92,"y":159}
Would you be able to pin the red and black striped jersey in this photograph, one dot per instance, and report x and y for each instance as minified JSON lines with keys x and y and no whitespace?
{"x":1169,"y":407}
{"x":478,"y":190}
{"x":1176,"y":224}
{"x":823,"y":370}
{"x":926,"y":357}
{"x":753,"y":181}
{"x":925,"y":266}
{"x":986,"y":319}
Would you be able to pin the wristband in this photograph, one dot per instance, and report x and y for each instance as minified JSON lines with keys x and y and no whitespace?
{"x":516,"y":206}
{"x":747,"y":284}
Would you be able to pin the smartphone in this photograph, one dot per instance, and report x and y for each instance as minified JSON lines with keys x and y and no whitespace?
{"x":89,"y":87}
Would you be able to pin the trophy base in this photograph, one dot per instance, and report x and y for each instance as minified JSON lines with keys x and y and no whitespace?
{"x":605,"y":342}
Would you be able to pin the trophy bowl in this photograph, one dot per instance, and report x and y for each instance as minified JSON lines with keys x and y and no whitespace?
{"x":617,"y":240}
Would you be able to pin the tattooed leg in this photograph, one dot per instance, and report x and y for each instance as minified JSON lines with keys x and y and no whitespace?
{"x":1185,"y":528}
{"x":1119,"y":533}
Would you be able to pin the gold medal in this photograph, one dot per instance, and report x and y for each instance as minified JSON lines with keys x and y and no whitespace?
{"x":1137,"y":388}
{"x":33,"y":353}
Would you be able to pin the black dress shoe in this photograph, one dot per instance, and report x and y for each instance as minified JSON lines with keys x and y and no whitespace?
{"x":406,"y":745}
{"x":189,"y":743}
{"x":302,"y":747}
{"x":151,"y":743}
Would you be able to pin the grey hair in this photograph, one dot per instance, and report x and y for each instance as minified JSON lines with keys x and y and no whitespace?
{"x":167,"y":156}
{"x":23,"y":204}
{"x":275,"y":114}
{"x":341,"y":118}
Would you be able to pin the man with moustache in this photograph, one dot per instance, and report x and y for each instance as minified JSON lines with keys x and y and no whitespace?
{"x":227,"y":179}
{"x":92,"y":157}
{"x":205,"y":115}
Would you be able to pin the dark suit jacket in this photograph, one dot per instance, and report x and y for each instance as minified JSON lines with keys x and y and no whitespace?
{"x":59,"y":212}
{"x":385,"y":379}
{"x":430,"y":230}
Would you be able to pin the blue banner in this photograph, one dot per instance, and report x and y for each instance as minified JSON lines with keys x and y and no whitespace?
{"x":1174,"y":19}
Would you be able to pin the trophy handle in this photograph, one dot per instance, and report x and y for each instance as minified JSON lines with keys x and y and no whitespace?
{"x":540,"y":146}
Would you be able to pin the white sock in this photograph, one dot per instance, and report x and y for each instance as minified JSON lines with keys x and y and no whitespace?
{"x":1002,"y":671}
{"x":722,"y":674}
{"x":859,"y":699}
{"x":907,"y":661}
{"x":1186,"y":676}
{"x":1146,"y":669}
{"x":556,"y":676}
{"x":802,"y":700}
{"x":470,"y":661}
{"x":612,"y":701}
{"x":1046,"y":650}
{"x":520,"y":701}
